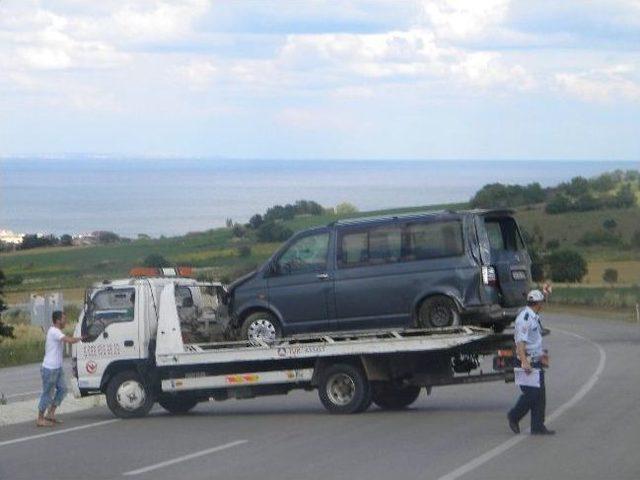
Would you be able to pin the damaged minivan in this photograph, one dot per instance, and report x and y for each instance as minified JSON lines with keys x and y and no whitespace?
{"x":428,"y":270}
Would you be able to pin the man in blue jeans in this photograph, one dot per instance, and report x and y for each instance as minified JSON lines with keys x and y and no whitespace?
{"x":52,"y":372}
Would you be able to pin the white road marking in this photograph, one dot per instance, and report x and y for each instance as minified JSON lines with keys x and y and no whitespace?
{"x":512,"y":442}
{"x":57,"y":432}
{"x":184,"y":458}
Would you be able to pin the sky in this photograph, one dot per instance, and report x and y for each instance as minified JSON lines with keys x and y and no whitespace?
{"x":344,"y":79}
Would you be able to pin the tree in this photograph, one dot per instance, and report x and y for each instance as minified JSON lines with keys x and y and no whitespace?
{"x":105,"y":237}
{"x":5,"y":330}
{"x":238,"y":231}
{"x":578,"y":186}
{"x":66,"y":240}
{"x":155,"y":260}
{"x":610,"y":275}
{"x":256,"y":221}
{"x":625,"y":198}
{"x":567,"y":266}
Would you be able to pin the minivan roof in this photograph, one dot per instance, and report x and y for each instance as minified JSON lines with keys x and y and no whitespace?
{"x":418,"y":215}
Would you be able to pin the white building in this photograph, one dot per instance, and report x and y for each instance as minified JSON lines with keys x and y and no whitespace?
{"x":7,"y":236}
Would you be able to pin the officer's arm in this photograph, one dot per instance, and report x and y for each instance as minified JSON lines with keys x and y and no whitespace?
{"x":521,"y":353}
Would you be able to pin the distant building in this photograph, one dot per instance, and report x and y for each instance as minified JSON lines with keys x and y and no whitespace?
{"x":7,"y":236}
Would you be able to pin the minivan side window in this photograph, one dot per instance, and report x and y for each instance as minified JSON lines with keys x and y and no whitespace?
{"x":373,"y":247}
{"x":434,"y":240}
{"x":307,"y":254}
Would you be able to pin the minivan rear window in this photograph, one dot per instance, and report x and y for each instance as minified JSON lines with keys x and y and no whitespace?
{"x":503,"y":234}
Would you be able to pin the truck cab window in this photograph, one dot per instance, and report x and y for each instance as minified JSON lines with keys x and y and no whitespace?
{"x":308,"y":254}
{"x":106,"y":307}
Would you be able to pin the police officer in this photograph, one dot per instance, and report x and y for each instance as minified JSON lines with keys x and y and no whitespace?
{"x":528,"y":338}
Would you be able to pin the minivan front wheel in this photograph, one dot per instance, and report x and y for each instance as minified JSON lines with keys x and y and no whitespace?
{"x":261,"y":327}
{"x":438,"y":312}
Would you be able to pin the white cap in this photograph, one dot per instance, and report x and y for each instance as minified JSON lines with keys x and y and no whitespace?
{"x":535,"y":296}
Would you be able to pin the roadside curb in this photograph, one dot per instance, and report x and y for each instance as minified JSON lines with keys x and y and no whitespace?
{"x":27,"y":410}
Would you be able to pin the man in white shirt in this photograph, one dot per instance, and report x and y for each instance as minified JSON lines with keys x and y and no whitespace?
{"x":52,"y":372}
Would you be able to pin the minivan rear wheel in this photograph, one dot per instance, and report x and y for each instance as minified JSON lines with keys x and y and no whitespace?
{"x":438,"y":312}
{"x":261,"y":327}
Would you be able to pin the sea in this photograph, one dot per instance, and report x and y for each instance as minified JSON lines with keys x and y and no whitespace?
{"x":175,"y":196}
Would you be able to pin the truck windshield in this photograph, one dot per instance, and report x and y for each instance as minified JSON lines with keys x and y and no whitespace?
{"x":107,"y":307}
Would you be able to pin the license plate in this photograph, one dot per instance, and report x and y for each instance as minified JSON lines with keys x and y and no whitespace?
{"x":519,"y":275}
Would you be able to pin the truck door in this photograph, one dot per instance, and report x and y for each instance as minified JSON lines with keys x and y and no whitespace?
{"x":110,"y":325}
{"x":300,"y":286}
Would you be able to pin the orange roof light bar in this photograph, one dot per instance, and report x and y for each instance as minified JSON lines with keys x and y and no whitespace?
{"x":161,"y":272}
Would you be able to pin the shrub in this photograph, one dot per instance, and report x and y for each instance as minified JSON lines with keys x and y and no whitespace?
{"x":155,"y":260}
{"x":238,"y":230}
{"x":553,"y":244}
{"x":610,"y":224}
{"x":273,"y":232}
{"x":610,"y":275}
{"x":244,"y":251}
{"x":106,"y":238}
{"x":566,"y":266}
{"x":560,"y":203}
{"x":498,"y":195}
{"x":635,"y":239}
{"x":346,"y":208}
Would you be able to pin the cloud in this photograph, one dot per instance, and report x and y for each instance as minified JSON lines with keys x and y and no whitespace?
{"x":613,"y":84}
{"x":464,"y":19}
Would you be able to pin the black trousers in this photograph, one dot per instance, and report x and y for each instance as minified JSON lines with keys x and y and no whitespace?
{"x":532,"y":399}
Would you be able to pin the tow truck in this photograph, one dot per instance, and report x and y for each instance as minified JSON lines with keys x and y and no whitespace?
{"x":148,"y":339}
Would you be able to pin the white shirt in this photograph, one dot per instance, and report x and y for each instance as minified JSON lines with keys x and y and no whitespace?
{"x":53,"y":349}
{"x":529,"y":331}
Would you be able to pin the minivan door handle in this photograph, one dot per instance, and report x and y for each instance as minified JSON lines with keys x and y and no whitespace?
{"x":128,"y":343}
{"x":322,"y":276}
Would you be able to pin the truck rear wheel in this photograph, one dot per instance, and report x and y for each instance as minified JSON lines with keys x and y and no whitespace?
{"x":176,"y":404}
{"x":391,"y":397}
{"x":128,"y":396}
{"x":438,"y":312}
{"x":344,"y":388}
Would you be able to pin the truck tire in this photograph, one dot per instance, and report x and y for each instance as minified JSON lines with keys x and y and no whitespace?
{"x":260,"y":325}
{"x":128,"y":395}
{"x":177,"y":404}
{"x":344,"y":388}
{"x":438,"y":312}
{"x":390,"y":397}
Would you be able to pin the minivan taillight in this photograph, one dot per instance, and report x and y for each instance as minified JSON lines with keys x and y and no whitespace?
{"x":489,"y":276}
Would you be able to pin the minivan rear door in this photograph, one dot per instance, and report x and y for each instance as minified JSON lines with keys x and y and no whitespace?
{"x":509,"y":257}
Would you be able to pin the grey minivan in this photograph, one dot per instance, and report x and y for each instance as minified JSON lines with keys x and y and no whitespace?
{"x":431,"y":269}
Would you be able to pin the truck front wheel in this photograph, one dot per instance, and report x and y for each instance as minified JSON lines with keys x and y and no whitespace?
{"x":344,"y":388}
{"x":128,"y":396}
{"x":177,"y":404}
{"x":391,"y":397}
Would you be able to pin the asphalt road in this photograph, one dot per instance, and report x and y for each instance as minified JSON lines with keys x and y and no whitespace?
{"x":593,"y":391}
{"x":23,"y":382}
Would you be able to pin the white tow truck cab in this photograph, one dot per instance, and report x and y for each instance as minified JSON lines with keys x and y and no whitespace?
{"x":150,"y":339}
